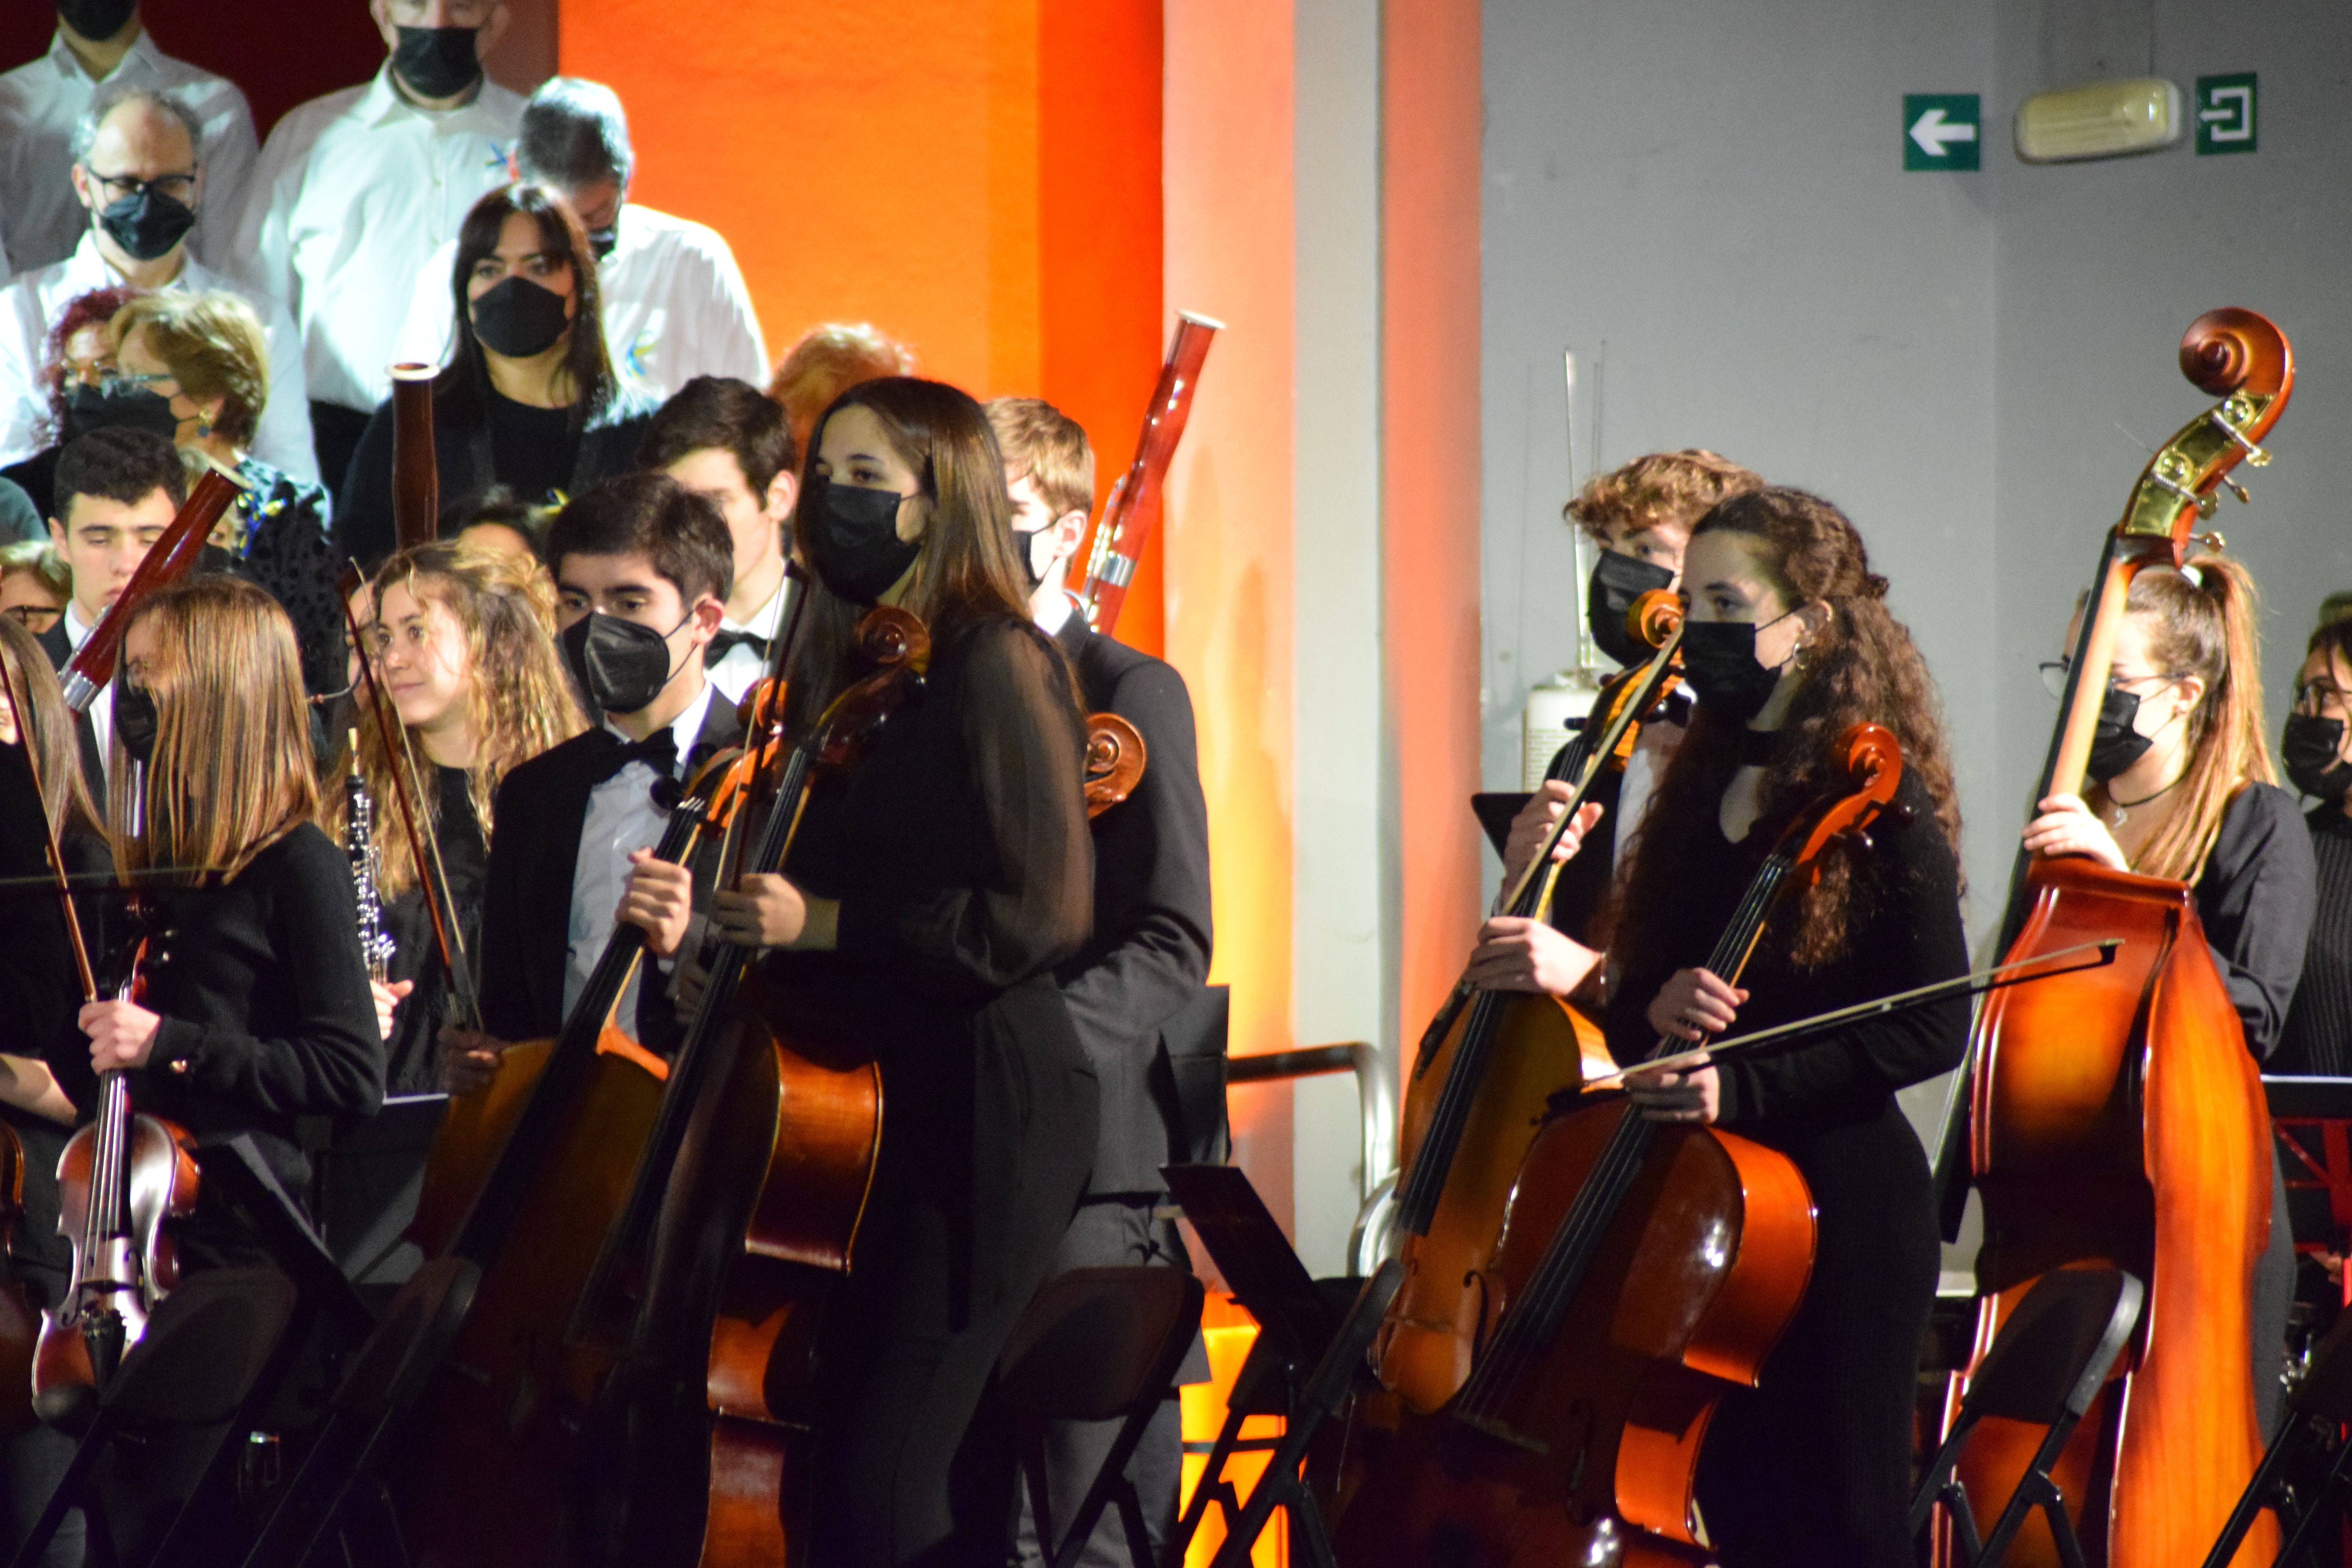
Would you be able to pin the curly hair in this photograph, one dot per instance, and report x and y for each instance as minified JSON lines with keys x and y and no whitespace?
{"x":95,"y":309}
{"x":518,"y":700}
{"x":1861,"y":667}
{"x":1676,"y":488}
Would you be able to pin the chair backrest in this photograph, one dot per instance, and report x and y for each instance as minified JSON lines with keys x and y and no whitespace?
{"x":2055,"y":1349}
{"x":206,"y":1347}
{"x":1094,"y":1341}
{"x":2327,"y":1386}
{"x":416,"y":1330}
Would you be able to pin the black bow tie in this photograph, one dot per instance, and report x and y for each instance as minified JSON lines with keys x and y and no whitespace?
{"x":658,"y":751}
{"x":728,"y":639}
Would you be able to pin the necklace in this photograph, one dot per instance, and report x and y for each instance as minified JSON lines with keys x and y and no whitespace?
{"x":2119,"y":811}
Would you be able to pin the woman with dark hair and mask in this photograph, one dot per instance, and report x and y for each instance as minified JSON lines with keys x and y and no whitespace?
{"x":2317,"y":1040}
{"x":2185,"y":789}
{"x":1787,"y":644}
{"x":934,"y":885}
{"x":77,"y":373}
{"x":530,"y":399}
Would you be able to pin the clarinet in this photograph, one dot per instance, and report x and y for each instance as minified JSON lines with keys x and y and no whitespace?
{"x":359,"y":843}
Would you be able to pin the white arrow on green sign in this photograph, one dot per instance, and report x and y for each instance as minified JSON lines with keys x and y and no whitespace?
{"x":1942,"y":131}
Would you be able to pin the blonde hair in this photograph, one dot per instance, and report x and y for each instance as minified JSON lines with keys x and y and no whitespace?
{"x":828,"y":360}
{"x":1671,"y":487}
{"x":1048,"y":448}
{"x":231,"y":774}
{"x":518,"y":701}
{"x":213,"y":346}
{"x":38,"y":559}
{"x":2202,"y":622}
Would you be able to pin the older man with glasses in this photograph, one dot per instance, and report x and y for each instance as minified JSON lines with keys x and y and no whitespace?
{"x":141,"y":184}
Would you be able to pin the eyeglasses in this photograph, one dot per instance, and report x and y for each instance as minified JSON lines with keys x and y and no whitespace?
{"x":129,"y":187}
{"x":32,"y":617}
{"x":117,"y":382}
{"x":2054,"y":672}
{"x":2321,"y":697}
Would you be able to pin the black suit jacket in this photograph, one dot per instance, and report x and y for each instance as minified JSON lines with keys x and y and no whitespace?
{"x":527,"y":892}
{"x":1148,"y":955}
{"x":59,"y":647}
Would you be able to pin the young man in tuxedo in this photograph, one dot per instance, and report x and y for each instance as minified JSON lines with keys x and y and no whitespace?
{"x":1148,"y":956}
{"x":641,"y":567}
{"x":116,"y":492}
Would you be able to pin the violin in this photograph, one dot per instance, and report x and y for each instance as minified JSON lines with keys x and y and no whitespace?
{"x":756,"y":1217}
{"x":20,"y":1325}
{"x":1488,"y":1065}
{"x":2116,"y":1116}
{"x":1645,"y":1270}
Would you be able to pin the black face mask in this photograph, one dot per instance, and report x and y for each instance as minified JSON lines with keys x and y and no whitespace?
{"x":96,"y":20}
{"x":851,"y":534}
{"x":94,"y":409}
{"x":519,"y":318}
{"x":437,"y":62}
{"x":136,"y":721}
{"x":2312,"y":750}
{"x":1618,"y":580}
{"x":148,"y":224}
{"x":1719,"y":662}
{"x":2117,"y":743}
{"x":1024,"y":545}
{"x":621,"y":665}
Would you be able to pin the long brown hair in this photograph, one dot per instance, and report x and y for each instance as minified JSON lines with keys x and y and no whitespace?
{"x":1862,"y":666}
{"x":459,"y":392}
{"x":2204,"y":625}
{"x":518,"y":700}
{"x":44,"y":724}
{"x":232,"y":769}
{"x":968,"y":570}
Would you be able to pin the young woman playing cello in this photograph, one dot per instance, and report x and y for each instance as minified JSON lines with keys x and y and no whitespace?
{"x":932,"y":889}
{"x":464,"y":649}
{"x":2187,"y":790}
{"x":1787,"y":643}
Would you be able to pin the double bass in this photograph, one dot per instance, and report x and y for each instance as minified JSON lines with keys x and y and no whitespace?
{"x":1488,"y":1067}
{"x":2116,"y":1116}
{"x":1645,"y":1270}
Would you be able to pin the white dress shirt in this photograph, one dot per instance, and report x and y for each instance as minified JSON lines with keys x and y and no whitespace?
{"x":622,"y":818}
{"x":39,"y":103}
{"x":353,"y":192}
{"x":30,"y":304}
{"x":101,"y":708}
{"x":676,"y":306}
{"x":734,"y":674}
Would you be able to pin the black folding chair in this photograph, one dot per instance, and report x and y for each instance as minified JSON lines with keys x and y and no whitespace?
{"x":2046,"y":1365}
{"x":1096,"y":1344}
{"x":2321,"y":1410}
{"x":1283,"y":1485}
{"x":383,"y":1383}
{"x":177,"y":1410}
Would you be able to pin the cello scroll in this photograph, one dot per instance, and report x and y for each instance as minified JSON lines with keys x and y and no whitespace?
{"x":1115,"y":761}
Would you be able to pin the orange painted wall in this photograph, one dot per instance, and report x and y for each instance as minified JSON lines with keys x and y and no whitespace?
{"x":1229,"y":530}
{"x":980,"y":178}
{"x":1429,"y":262}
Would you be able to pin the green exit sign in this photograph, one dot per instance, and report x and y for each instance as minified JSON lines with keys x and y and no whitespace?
{"x":1942,"y":131}
{"x":2225,"y":114}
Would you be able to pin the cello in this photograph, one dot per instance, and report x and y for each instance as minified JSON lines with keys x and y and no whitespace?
{"x":1488,"y":1066}
{"x":1644,"y":1270}
{"x":2117,"y":1116}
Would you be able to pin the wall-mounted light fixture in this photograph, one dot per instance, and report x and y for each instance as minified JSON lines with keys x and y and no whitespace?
{"x":2104,"y":120}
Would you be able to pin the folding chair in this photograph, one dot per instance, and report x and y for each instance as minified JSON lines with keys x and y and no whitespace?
{"x":2045,"y":1367}
{"x":1096,"y":1344}
{"x":2322,"y":1407}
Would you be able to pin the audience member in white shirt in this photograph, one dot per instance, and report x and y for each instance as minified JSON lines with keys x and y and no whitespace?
{"x":726,"y":441}
{"x":675,"y":305}
{"x":101,"y":42}
{"x":355,"y":189}
{"x":142,"y":187}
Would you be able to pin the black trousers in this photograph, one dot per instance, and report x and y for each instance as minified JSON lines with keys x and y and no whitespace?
{"x":335,"y":433}
{"x":1116,"y":1232}
{"x":1811,"y":1469}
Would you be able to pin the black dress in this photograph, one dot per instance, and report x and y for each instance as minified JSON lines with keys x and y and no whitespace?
{"x":959,"y":850}
{"x":266,"y":1016}
{"x":1815,"y":1465}
{"x":412,"y":1054}
{"x":2317,"y":1040}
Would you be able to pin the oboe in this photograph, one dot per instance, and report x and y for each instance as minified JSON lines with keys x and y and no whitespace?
{"x":359,"y":843}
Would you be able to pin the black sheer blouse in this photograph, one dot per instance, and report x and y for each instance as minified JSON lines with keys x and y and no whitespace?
{"x":2256,"y":899}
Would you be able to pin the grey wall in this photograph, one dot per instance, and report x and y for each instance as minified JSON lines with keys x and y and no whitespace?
{"x":1707,"y":197}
